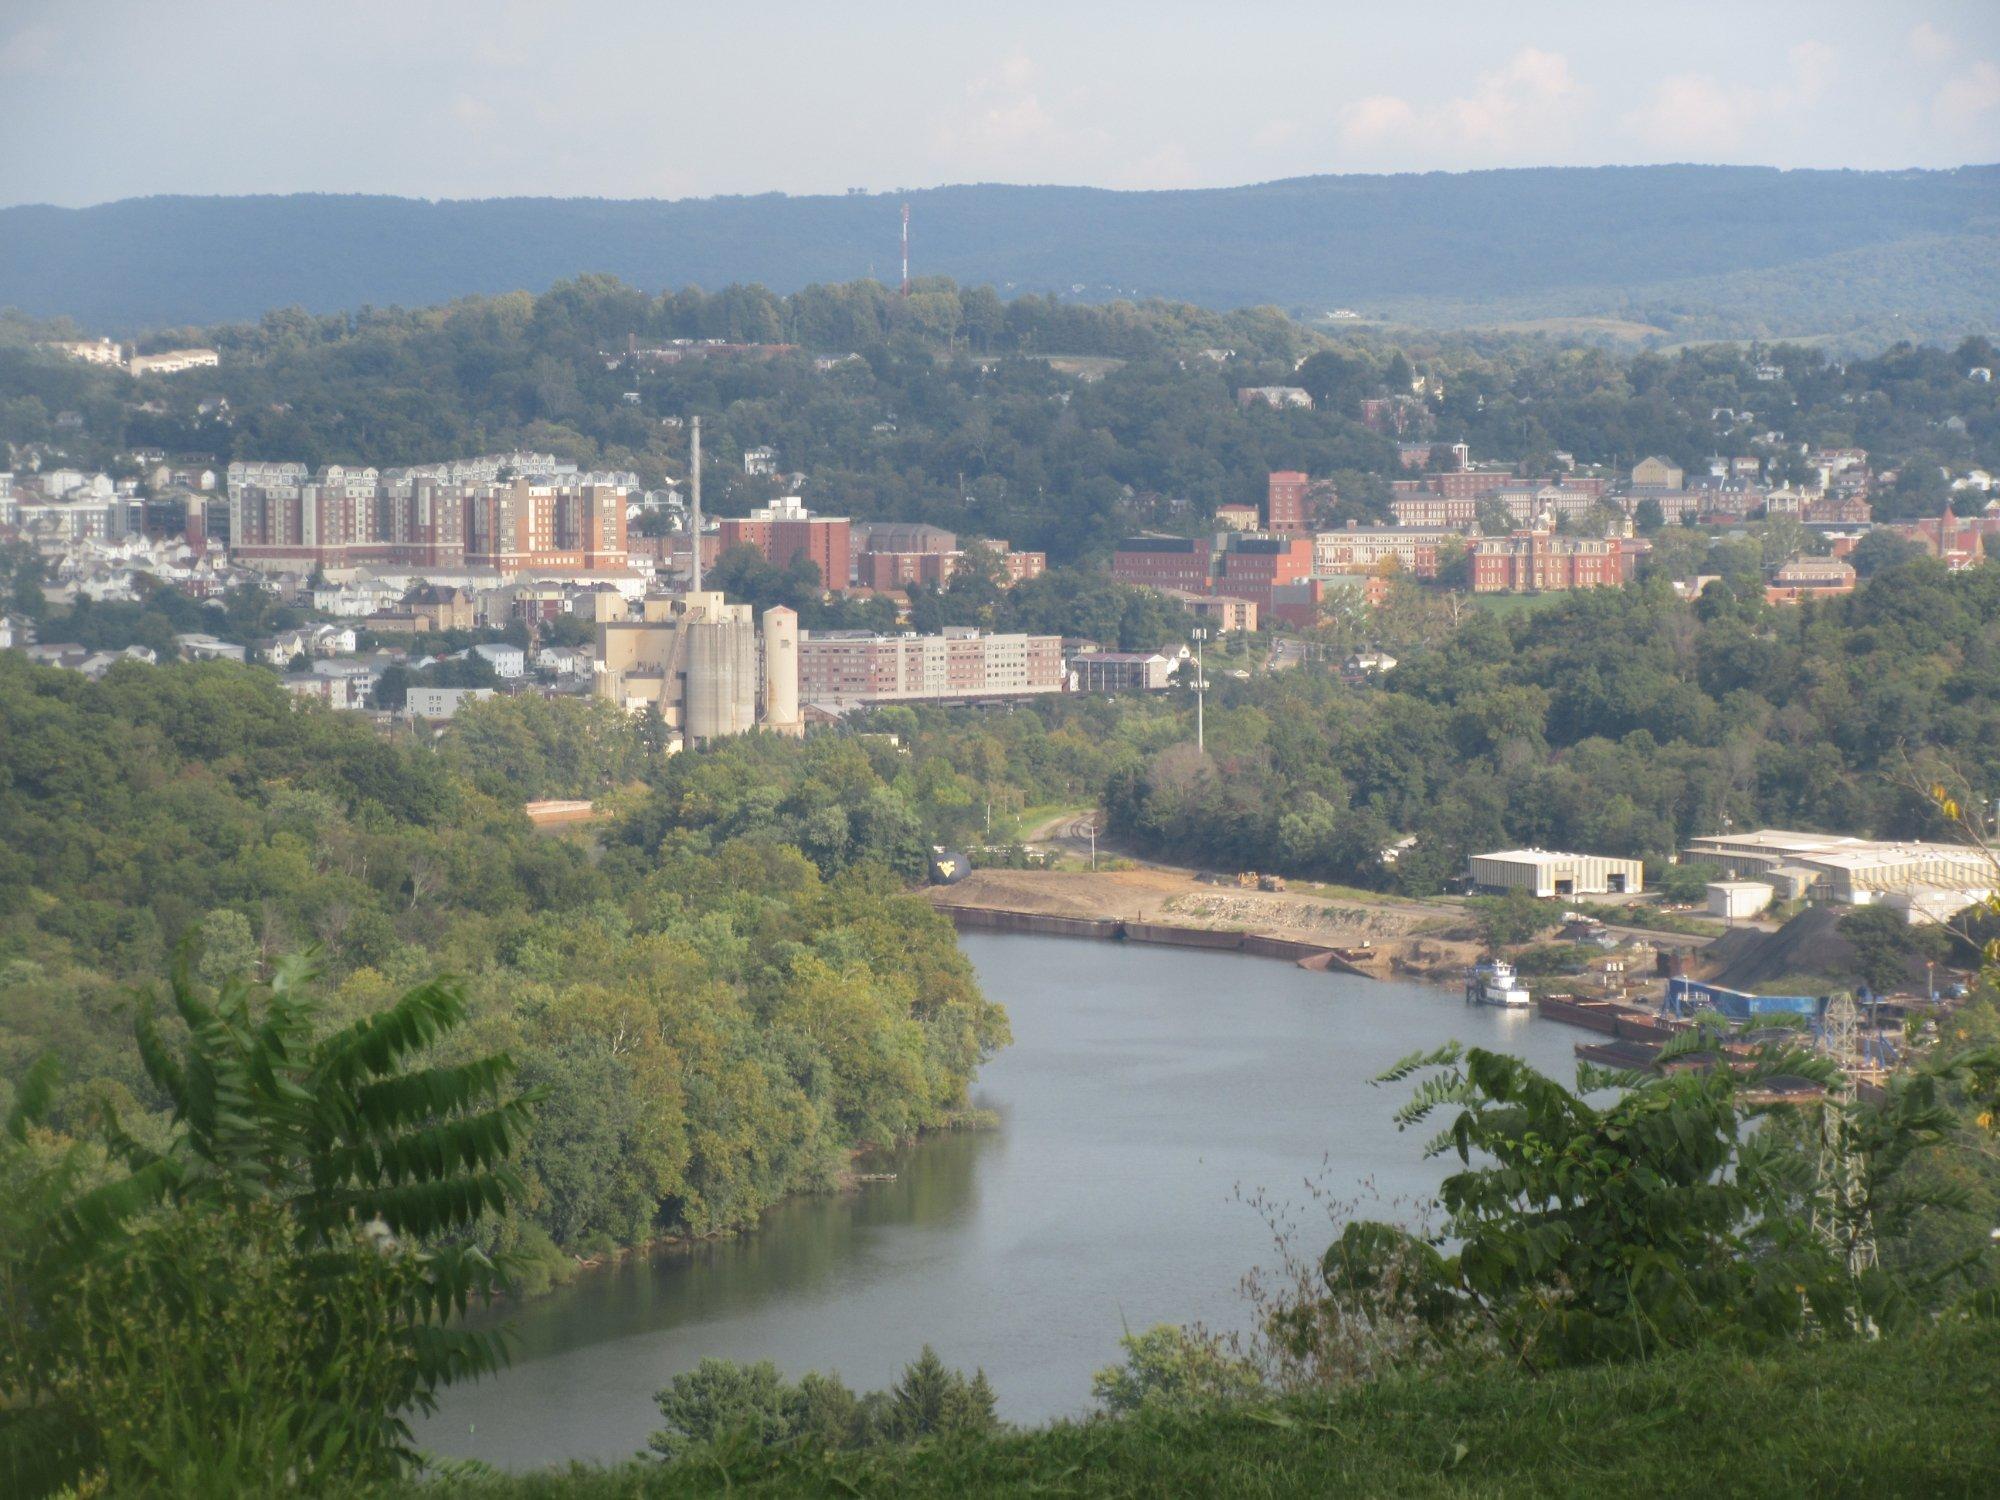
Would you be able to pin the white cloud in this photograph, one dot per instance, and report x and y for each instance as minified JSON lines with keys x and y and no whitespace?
{"x":1813,"y":69}
{"x":1692,"y":114}
{"x":1696,"y":114}
{"x":473,"y":112}
{"x":1528,"y":105}
{"x":28,"y":51}
{"x":1966,"y":100}
{"x":1168,"y":167}
{"x":1378,"y":119}
{"x":1275,"y":133}
{"x":1004,"y":125}
{"x":1928,"y":44}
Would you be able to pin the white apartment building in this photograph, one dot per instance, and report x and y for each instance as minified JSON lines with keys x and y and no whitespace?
{"x":174,"y":361}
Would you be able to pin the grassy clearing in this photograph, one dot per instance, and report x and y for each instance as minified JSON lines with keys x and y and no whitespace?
{"x":1505,"y":605}
{"x":1015,"y":827}
{"x":1912,"y":1417}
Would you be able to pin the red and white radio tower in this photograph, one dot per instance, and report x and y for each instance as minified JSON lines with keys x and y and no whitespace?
{"x":906,"y":249}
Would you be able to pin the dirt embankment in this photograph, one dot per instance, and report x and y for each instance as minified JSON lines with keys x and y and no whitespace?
{"x":1407,"y":936}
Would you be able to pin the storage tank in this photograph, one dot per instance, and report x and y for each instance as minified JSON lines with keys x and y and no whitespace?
{"x":721,"y":673}
{"x":781,"y":669}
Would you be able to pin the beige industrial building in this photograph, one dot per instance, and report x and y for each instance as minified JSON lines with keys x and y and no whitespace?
{"x":702,"y":663}
{"x":1738,"y":900}
{"x":1925,"y":881}
{"x":1543,"y":872}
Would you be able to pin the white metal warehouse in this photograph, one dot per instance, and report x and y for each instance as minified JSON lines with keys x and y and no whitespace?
{"x":1544,"y":872}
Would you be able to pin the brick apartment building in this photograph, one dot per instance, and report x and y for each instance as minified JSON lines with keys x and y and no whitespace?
{"x":785,"y":529}
{"x":843,"y":669}
{"x":882,"y":571}
{"x":349,"y":519}
{"x":1165,"y":562}
{"x":1251,"y":566}
{"x":1532,"y":562}
{"x":1015,"y":567}
{"x":1472,"y":484}
{"x":1285,"y":502}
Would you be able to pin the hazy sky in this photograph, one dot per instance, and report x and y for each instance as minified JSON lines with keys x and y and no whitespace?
{"x":104,"y":99}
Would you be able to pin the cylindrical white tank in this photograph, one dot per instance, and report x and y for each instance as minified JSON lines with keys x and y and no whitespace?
{"x":781,"y":669}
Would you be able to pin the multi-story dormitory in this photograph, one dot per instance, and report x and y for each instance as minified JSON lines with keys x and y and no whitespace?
{"x":476,"y":516}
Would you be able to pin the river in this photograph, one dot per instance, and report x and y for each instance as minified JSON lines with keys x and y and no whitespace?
{"x":1148,"y":1092}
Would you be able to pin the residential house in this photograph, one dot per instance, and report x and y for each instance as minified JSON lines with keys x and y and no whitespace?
{"x":507,"y":661}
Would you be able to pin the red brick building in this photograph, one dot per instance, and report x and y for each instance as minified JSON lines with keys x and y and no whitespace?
{"x":1285,"y":502}
{"x":1472,"y":484}
{"x":903,"y":570}
{"x":1016,"y":567}
{"x":1534,"y":562}
{"x":1253,"y":565}
{"x":1164,"y":562}
{"x":785,"y":529}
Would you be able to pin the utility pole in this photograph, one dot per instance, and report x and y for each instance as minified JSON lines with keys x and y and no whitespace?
{"x":1093,"y":841}
{"x":1200,"y":694}
{"x":906,"y":249}
{"x":694,"y":522}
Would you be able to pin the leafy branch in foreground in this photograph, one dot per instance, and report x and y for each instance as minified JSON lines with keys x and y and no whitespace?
{"x":1679,"y":1212}
{"x":258,"y":1306}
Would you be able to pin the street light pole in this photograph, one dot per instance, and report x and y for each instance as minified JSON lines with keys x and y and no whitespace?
{"x":1200,"y":692}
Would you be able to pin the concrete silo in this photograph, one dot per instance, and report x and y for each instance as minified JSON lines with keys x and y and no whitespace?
{"x":781,"y":671}
{"x":721,"y":671}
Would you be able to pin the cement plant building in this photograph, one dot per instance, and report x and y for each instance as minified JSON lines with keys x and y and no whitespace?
{"x":702,"y":663}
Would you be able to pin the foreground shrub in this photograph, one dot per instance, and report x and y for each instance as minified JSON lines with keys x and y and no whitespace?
{"x":720,"y":1402}
{"x":258,"y":1307}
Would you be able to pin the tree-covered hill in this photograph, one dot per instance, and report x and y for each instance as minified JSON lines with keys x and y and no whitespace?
{"x":953,"y":415}
{"x":1440,"y":246}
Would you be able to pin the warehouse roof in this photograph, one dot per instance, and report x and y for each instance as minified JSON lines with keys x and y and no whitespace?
{"x":1548,"y":857}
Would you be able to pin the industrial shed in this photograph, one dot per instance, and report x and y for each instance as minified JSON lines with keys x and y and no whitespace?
{"x":1544,"y":872}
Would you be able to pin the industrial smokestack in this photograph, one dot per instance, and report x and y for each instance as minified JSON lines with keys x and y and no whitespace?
{"x":694,"y":523}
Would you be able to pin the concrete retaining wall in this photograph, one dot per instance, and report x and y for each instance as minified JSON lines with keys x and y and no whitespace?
{"x":987,"y":919}
{"x":1183,"y":937}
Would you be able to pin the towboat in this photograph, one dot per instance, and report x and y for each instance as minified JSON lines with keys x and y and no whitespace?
{"x":1495,"y":983}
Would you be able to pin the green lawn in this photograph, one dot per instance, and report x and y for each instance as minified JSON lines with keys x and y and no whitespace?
{"x":1915,"y":1417}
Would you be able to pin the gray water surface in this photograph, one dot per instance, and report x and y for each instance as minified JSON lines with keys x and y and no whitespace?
{"x":1148,"y":1092}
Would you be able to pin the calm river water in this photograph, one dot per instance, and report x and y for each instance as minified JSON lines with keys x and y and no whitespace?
{"x":1147,"y":1092}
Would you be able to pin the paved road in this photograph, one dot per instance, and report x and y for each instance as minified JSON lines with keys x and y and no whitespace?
{"x":1285,"y":653}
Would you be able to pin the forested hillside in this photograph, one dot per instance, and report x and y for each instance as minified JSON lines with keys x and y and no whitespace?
{"x":1444,"y":248}
{"x":955,"y":412}
{"x":717,"y":1018}
{"x":1620,"y":721}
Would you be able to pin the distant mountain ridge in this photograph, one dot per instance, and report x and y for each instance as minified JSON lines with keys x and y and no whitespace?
{"x":1434,"y":248}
